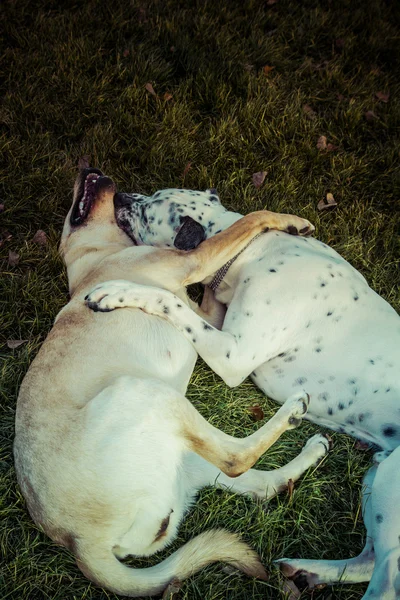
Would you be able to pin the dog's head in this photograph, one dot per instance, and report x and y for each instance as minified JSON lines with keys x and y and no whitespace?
{"x":90,"y":226}
{"x":172,"y":217}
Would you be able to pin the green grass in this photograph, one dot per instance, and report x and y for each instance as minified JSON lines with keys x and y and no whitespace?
{"x":74,"y":84}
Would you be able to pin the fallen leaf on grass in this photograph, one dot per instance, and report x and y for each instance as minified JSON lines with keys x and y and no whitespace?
{"x":383,"y":97}
{"x":258,"y":178}
{"x":40,"y":238}
{"x":361,"y":446}
{"x":370,"y":116}
{"x":13,"y":258}
{"x":5,"y":236}
{"x":267,"y":69}
{"x":15,"y":343}
{"x":84,"y":162}
{"x":291,"y":589}
{"x":328,"y":203}
{"x":125,"y":52}
{"x":171,"y":590}
{"x":257,"y":412}
{"x":309,"y":112}
{"x":167,"y":96}
{"x":1,"y":208}
{"x":271,"y":2}
{"x":323,"y":145}
{"x":186,"y":169}
{"x":290,"y":487}
{"x":150,"y":89}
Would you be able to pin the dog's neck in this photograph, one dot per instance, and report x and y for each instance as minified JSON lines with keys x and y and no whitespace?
{"x":84,"y":251}
{"x":223,"y":221}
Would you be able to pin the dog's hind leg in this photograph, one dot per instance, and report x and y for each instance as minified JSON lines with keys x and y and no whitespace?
{"x":310,"y":573}
{"x":260,"y":485}
{"x":234,"y":456}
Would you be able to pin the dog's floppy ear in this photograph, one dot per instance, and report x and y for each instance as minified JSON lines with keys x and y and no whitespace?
{"x":190,"y":235}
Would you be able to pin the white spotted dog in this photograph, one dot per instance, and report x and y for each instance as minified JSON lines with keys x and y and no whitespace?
{"x":298,"y":315}
{"x":109,"y":453}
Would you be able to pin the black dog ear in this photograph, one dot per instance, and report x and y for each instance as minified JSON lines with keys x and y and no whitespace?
{"x":190,"y":235}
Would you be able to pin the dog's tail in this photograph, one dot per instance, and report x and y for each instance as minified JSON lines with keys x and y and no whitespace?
{"x":102,"y":567}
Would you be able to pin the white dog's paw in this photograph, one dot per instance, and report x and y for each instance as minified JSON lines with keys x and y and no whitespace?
{"x":110,"y":295}
{"x":297,"y":406}
{"x":319,"y":444}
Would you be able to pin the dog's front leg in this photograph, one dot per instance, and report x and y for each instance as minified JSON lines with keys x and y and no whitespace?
{"x":211,"y":255}
{"x":226,"y":353}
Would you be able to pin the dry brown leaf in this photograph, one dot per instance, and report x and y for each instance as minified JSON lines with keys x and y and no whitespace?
{"x":291,"y":589}
{"x":340,"y":43}
{"x":340,"y":97}
{"x":13,"y":258}
{"x":186,"y":169}
{"x":309,"y":112}
{"x":84,"y":162}
{"x":150,"y":89}
{"x":15,"y":343}
{"x":361,"y":446}
{"x":5,"y":236}
{"x":328,"y":203}
{"x":290,"y":487}
{"x":167,"y":96}
{"x":171,"y":590}
{"x":267,"y":69}
{"x":257,"y":412}
{"x":258,"y":178}
{"x":383,"y":97}
{"x":321,"y":144}
{"x":40,"y":238}
{"x":1,"y":208}
{"x":370,"y":116}
{"x":125,"y":52}
{"x":271,"y":2}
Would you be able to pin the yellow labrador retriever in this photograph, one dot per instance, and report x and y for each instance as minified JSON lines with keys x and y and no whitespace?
{"x":108,"y":451}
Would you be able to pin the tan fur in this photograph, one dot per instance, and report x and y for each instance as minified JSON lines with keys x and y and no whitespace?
{"x":88,"y":389}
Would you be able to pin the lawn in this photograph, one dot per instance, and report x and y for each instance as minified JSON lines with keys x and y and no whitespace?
{"x":197,"y":94}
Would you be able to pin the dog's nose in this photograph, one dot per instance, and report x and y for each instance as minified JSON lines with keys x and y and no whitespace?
{"x":121,"y":199}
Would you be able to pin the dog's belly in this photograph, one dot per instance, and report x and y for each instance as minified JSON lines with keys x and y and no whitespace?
{"x":85,"y":357}
{"x":319,"y":327}
{"x":367,"y":410}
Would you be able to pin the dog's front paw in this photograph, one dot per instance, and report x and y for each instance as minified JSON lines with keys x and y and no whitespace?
{"x":297,"y":406}
{"x":300,"y":226}
{"x":110,"y":295}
